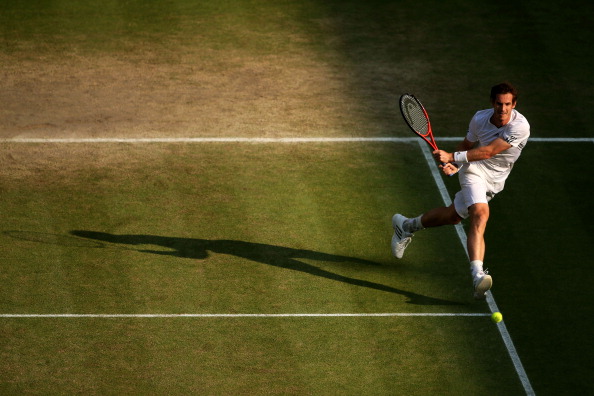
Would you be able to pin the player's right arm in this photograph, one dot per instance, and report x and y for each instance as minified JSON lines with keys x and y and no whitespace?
{"x":465,"y":145}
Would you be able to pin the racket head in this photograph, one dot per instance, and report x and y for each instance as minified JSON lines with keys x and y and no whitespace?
{"x":416,"y":118}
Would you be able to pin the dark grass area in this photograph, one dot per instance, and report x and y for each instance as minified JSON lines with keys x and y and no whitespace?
{"x":541,"y":243}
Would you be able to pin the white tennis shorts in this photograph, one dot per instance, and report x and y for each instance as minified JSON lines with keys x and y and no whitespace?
{"x":475,"y":189}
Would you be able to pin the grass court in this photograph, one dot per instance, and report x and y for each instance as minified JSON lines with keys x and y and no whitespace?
{"x":261,"y":264}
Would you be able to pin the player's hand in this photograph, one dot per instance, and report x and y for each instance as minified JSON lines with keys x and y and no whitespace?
{"x":443,"y":156}
{"x":449,"y":169}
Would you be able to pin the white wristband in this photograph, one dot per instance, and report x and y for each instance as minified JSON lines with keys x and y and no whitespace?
{"x":460,"y":156}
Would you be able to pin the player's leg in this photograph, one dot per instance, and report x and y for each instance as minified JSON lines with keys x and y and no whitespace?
{"x":441,"y":216}
{"x":405,"y":227}
{"x":479,"y":215}
{"x":472,"y":202}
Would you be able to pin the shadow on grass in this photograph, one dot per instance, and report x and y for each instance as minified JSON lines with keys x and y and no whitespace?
{"x":277,"y":256}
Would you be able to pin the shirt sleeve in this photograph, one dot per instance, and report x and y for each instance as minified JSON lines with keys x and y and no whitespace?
{"x":516,"y":134}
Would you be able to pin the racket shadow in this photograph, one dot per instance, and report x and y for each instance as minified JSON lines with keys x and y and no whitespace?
{"x":277,"y":256}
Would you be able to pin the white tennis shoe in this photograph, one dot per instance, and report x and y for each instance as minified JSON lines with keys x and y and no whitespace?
{"x":401,"y":238}
{"x":482,"y":284}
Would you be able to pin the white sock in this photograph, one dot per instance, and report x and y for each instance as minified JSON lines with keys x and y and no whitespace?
{"x":413,"y":224}
{"x":476,"y":268}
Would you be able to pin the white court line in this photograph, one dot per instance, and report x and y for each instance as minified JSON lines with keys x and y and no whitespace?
{"x":211,"y":140}
{"x":490,"y":299}
{"x":246,"y":315}
{"x":260,"y":140}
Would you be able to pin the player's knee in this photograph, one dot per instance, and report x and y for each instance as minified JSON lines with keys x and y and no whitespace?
{"x":454,"y":217}
{"x":479,"y":212}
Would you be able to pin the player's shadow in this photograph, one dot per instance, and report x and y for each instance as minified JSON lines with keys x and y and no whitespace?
{"x":277,"y":256}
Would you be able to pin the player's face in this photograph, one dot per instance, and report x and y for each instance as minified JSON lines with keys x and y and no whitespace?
{"x":503,"y":106}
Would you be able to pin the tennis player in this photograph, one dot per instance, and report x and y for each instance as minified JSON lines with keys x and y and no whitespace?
{"x":483,"y":161}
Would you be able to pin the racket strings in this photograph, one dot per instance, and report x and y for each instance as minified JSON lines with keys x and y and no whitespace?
{"x":414,"y":115}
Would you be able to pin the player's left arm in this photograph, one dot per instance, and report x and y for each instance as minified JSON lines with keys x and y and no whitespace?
{"x":485,"y":152}
{"x":473,"y":154}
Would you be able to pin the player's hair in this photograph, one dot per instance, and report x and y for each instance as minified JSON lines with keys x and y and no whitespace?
{"x":504,"y":88}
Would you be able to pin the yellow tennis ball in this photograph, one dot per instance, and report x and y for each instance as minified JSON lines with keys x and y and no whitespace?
{"x":496,"y":317}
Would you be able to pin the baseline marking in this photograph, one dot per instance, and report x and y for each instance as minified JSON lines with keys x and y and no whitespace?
{"x":490,"y":299}
{"x":211,"y":140}
{"x":261,"y":140}
{"x":246,"y":315}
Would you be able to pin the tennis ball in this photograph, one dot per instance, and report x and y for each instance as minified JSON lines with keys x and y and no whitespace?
{"x":496,"y":317}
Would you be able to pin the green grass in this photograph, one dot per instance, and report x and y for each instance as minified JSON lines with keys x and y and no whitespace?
{"x":281,"y":201}
{"x":224,"y":228}
{"x":243,"y":240}
{"x":253,"y":356}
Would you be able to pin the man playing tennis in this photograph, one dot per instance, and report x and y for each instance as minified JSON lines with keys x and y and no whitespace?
{"x":483,"y":161}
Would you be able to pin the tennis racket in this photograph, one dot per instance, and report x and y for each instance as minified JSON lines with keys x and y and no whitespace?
{"x":417,"y":119}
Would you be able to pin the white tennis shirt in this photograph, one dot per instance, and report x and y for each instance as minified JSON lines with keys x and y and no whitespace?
{"x":515,"y":132}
